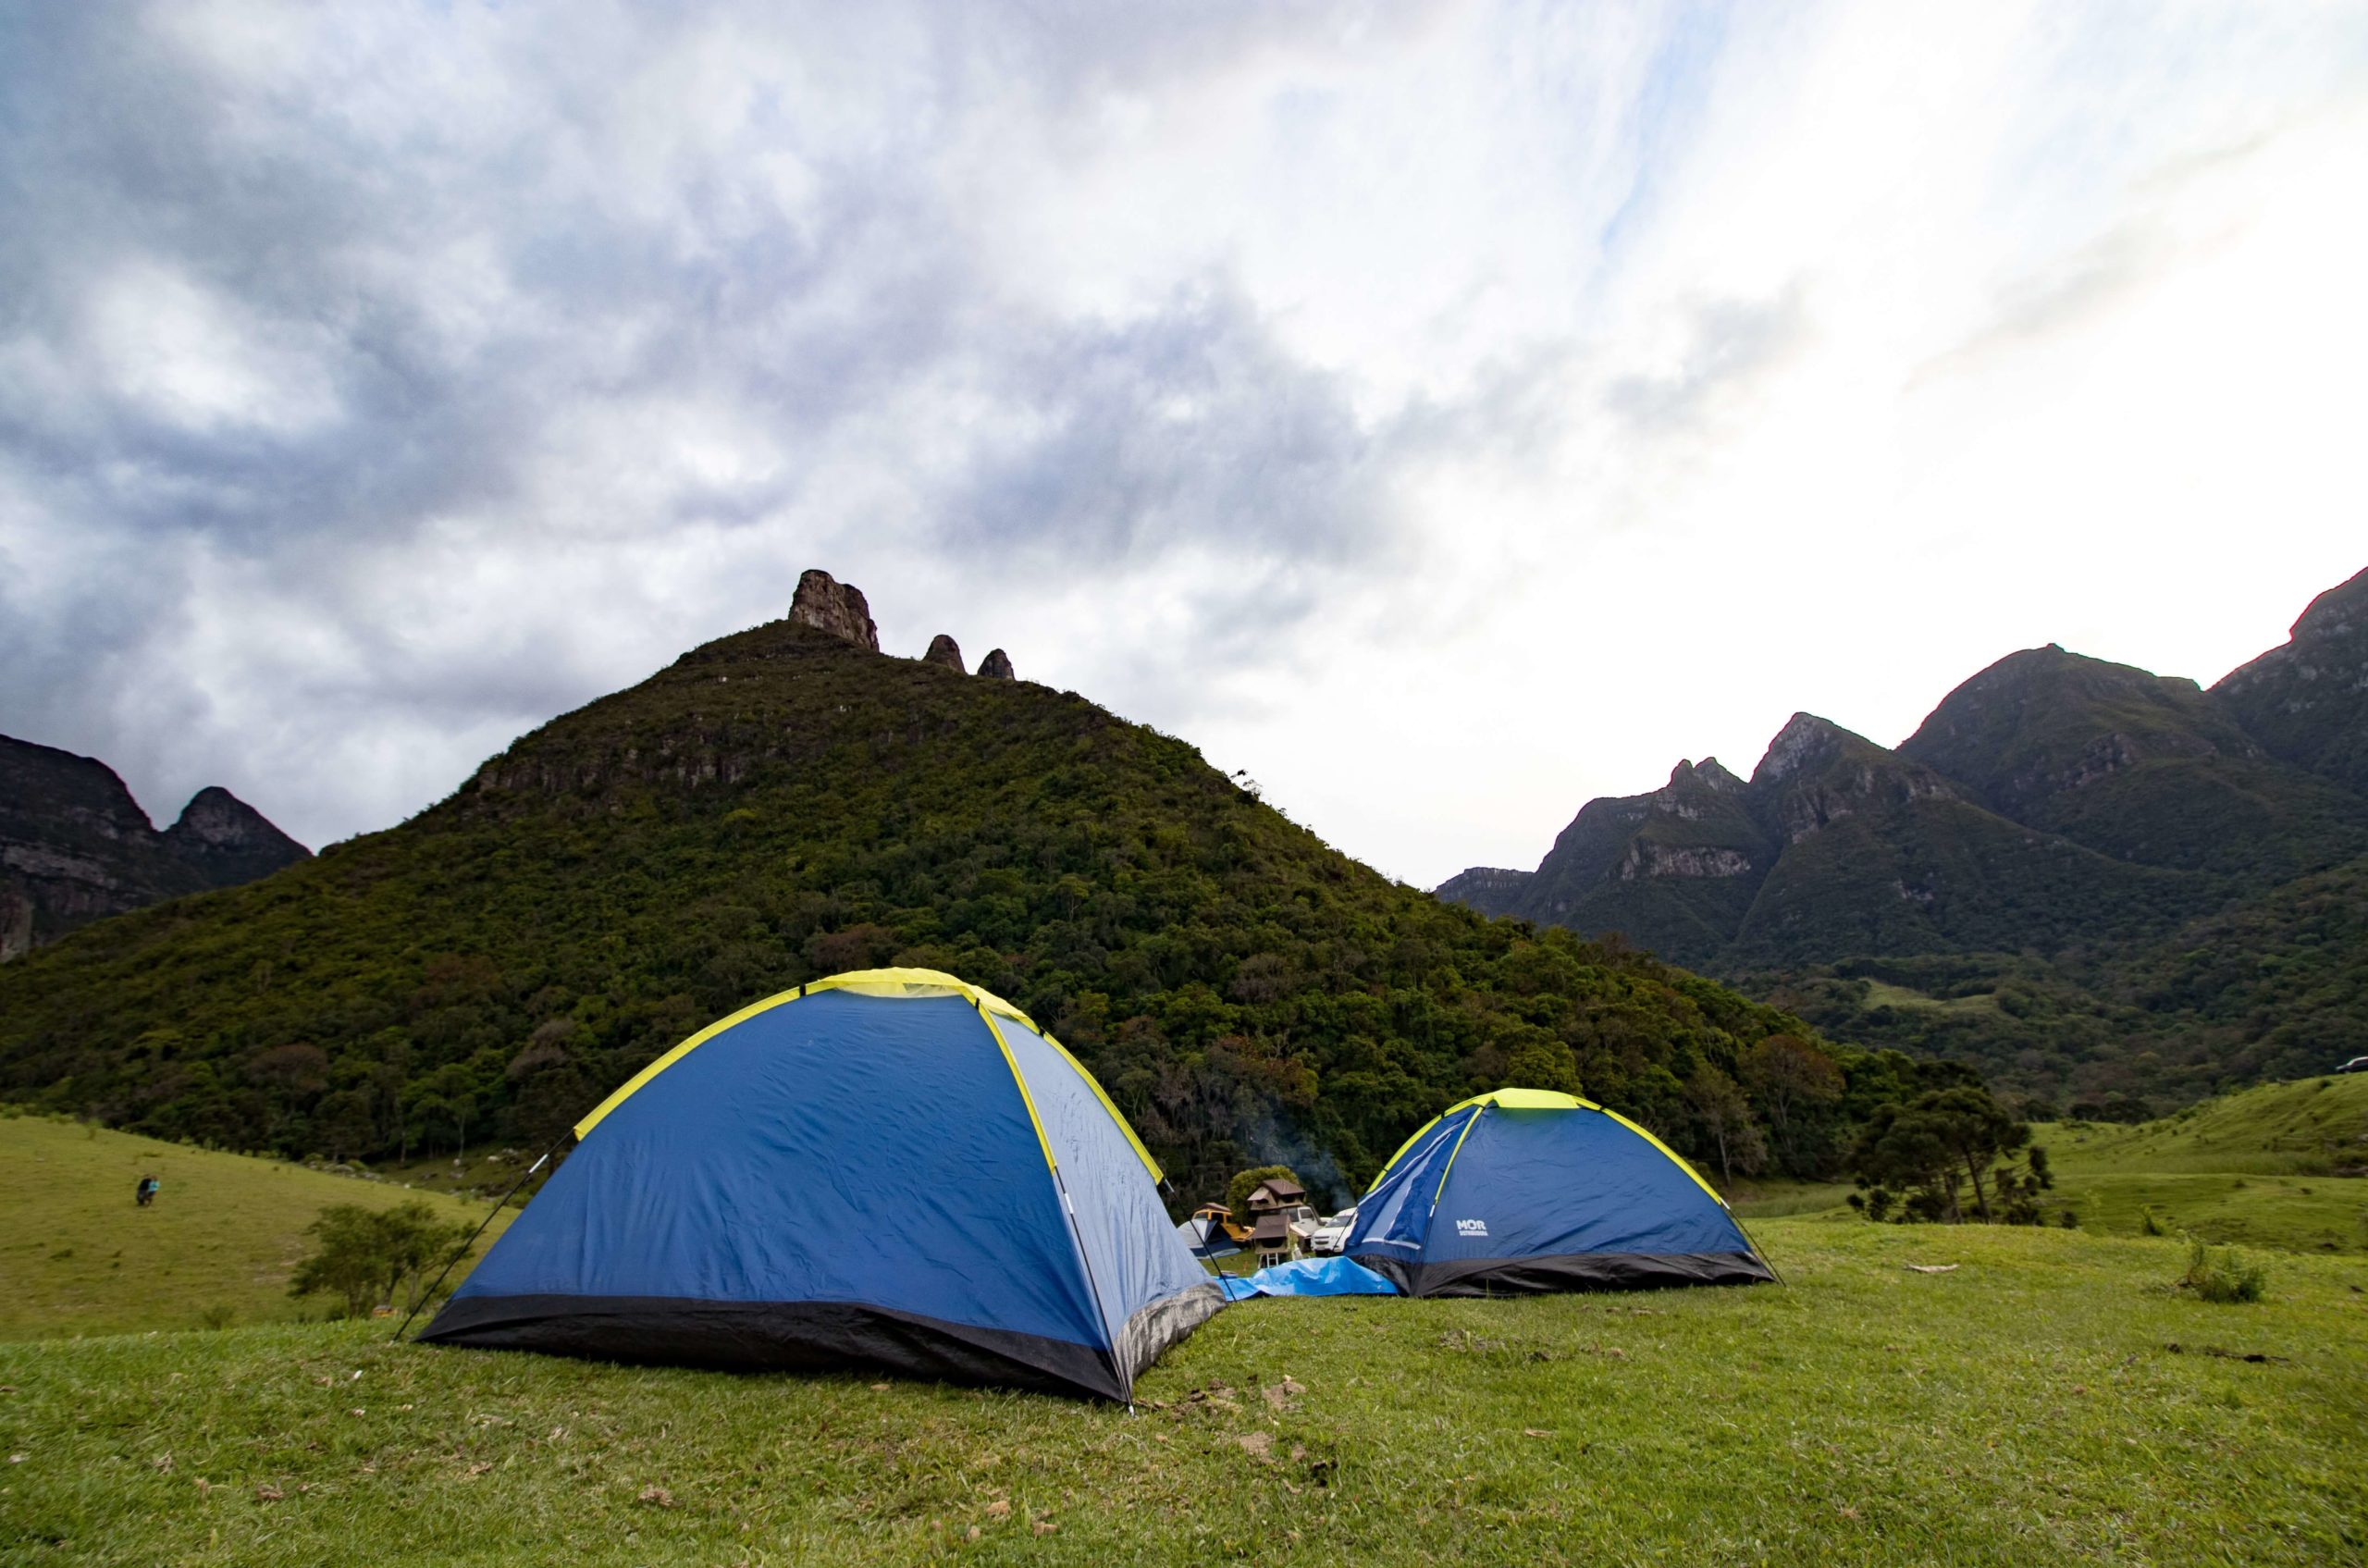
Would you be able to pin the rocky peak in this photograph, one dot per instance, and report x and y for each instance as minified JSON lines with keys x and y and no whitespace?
{"x":1708,"y":774}
{"x":828,"y":605}
{"x":2306,"y":702}
{"x":996,"y":666}
{"x":75,"y":846}
{"x":1711,"y":773}
{"x":1804,"y":739}
{"x":1492,"y":890}
{"x":2336,"y":612}
{"x":228,"y":840}
{"x":943,"y":649}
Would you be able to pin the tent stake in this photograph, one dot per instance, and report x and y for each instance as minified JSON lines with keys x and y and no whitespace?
{"x":429,"y":1294}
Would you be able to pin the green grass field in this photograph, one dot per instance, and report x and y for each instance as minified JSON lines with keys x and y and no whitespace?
{"x":77,"y":1257}
{"x":2257,"y":1167}
{"x":2053,"y":1398}
{"x":2048,"y":1400}
{"x":2309,"y":1127}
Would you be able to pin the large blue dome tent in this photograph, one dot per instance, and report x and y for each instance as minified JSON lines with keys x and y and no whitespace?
{"x":1526,"y":1190}
{"x":888,"y":1167}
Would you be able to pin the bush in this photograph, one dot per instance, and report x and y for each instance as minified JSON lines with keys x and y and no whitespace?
{"x":366,"y":1255}
{"x":2221,"y":1275}
{"x":217,"y":1316}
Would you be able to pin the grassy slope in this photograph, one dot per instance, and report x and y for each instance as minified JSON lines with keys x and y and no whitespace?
{"x":2027,"y":1407}
{"x":79,"y":1257}
{"x":2253,"y":1167}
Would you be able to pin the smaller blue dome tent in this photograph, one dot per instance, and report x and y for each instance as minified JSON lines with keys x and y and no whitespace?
{"x":890,"y":1168}
{"x":1528,"y":1190}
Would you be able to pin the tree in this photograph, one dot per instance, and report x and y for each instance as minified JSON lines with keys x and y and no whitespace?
{"x":1237,"y":1190}
{"x":1724,"y":1116}
{"x":1537,"y":1058}
{"x":366,"y":1255}
{"x":1925,"y":1145}
{"x":1793,"y":1080}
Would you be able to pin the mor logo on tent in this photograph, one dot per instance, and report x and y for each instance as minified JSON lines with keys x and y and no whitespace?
{"x":1471,"y":1228}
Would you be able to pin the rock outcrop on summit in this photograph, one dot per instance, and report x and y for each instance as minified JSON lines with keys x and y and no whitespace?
{"x":943,"y":649}
{"x":76,"y":848}
{"x":996,"y":666}
{"x":828,"y":605}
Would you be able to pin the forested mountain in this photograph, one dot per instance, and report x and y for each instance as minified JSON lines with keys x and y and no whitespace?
{"x":2099,"y":882}
{"x":785,"y":803}
{"x":75,"y":846}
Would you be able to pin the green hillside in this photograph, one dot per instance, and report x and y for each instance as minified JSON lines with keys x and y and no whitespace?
{"x":2050,"y":1400}
{"x":2313,"y":1127}
{"x":2284,"y":1164}
{"x":79,"y":1257}
{"x":2144,"y":768}
{"x":2274,"y":987}
{"x":780,"y":805}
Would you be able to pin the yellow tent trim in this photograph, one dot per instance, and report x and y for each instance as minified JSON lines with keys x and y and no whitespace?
{"x":1512,"y":1099}
{"x":897,"y":983}
{"x":1448,"y":1169}
{"x":1019,"y":1081}
{"x":634,"y":1083}
{"x":1675,"y":1158}
{"x":1538,"y":1100}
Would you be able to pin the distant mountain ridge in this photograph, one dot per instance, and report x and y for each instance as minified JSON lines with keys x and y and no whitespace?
{"x":2054,"y":809}
{"x":75,"y":846}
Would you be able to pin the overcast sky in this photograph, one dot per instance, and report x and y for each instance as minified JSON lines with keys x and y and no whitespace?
{"x":1444,"y":413}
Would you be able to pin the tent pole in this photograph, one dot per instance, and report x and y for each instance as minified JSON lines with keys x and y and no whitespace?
{"x":429,"y":1294}
{"x":1759,"y":1251}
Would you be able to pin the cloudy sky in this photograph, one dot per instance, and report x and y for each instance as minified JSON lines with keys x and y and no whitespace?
{"x":1445,"y":412}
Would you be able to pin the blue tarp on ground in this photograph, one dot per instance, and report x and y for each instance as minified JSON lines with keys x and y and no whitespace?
{"x":1308,"y":1277}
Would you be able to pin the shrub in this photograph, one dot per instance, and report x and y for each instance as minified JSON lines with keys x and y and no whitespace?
{"x":2223,"y":1276}
{"x":217,"y":1316}
{"x":366,"y":1255}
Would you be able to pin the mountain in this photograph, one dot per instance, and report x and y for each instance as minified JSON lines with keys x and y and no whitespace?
{"x":75,"y":846}
{"x":785,"y":803}
{"x":2307,"y":702}
{"x":2143,"y":767}
{"x":2094,"y":880}
{"x":1835,"y":846}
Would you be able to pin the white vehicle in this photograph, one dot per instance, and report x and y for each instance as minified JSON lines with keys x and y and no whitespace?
{"x":1333,"y":1234}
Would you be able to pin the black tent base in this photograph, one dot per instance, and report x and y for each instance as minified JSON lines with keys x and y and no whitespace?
{"x":1574,"y":1271}
{"x":817,"y":1337}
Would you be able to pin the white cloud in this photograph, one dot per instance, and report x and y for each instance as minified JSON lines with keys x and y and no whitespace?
{"x":1446,"y":412}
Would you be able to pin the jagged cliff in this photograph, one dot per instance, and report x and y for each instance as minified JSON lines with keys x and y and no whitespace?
{"x":76,"y":848}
